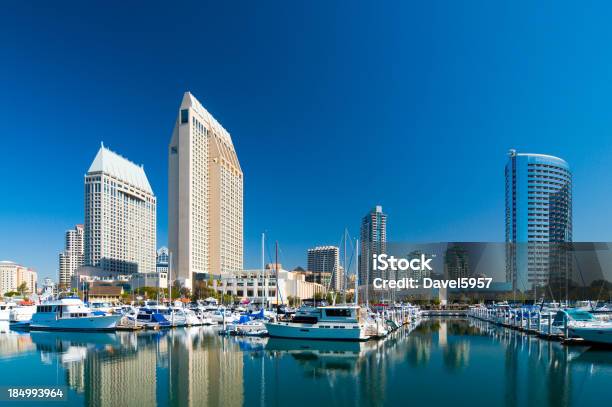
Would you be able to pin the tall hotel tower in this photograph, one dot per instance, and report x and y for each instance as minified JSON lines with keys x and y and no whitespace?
{"x":373,"y":238}
{"x":120,"y":216}
{"x":538,"y":217}
{"x":326,"y":259}
{"x":204,"y":196}
{"x":73,"y":255}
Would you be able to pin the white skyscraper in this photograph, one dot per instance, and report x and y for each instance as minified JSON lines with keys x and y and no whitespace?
{"x":120,"y":216}
{"x":73,"y":255}
{"x":204,"y":196}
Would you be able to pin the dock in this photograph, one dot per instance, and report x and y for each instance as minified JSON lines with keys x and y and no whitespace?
{"x":536,"y":323}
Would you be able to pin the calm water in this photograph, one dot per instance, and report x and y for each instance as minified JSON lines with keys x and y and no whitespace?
{"x":441,"y":362}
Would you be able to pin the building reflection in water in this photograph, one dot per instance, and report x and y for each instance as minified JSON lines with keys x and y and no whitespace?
{"x":182,"y":367}
{"x":204,"y":369}
{"x":13,"y":343}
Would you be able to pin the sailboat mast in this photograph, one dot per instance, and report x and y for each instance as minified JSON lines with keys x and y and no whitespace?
{"x":356,"y":272}
{"x":276,"y":268}
{"x":263,"y":272}
{"x":170,"y":277}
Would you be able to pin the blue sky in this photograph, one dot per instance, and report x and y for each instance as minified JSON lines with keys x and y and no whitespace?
{"x":333,"y":107}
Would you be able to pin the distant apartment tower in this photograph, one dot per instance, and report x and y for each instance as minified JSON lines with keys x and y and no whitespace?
{"x":120,"y":216}
{"x":205,"y":187}
{"x":326,"y":259}
{"x":456,"y":263}
{"x":538,"y":217}
{"x":12,"y":275}
{"x":373,"y":240}
{"x":416,"y":274}
{"x":73,"y":255}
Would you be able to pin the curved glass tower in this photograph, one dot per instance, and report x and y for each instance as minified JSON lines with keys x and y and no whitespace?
{"x":538,"y":217}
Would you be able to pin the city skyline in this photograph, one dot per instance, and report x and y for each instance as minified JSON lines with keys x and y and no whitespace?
{"x":421,"y":129}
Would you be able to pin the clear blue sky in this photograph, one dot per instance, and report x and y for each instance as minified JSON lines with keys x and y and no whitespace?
{"x":333,"y":107}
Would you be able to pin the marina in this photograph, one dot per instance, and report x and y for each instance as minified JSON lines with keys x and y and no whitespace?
{"x":196,"y":366}
{"x":568,"y":325}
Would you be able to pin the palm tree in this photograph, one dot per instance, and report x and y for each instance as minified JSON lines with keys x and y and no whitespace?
{"x":22,"y":289}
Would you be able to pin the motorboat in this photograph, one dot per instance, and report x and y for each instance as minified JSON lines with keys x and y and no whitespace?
{"x":339,"y":322}
{"x":248,"y":325}
{"x":191,"y":319}
{"x":570,"y":318}
{"x":148,"y":318}
{"x":71,"y":314}
{"x":102,"y":307}
{"x":222,"y":315}
{"x":590,"y":328}
{"x":22,"y":312}
{"x":5,"y":310}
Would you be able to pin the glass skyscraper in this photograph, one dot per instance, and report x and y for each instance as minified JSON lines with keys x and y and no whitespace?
{"x":538,"y":218}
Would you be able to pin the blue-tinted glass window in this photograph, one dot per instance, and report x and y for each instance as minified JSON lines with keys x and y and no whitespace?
{"x":184,"y":116}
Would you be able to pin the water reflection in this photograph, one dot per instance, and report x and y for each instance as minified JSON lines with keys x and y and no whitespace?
{"x":452,"y":361}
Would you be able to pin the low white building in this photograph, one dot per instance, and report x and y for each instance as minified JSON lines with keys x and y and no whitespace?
{"x":155,"y":280}
{"x":260,"y":286}
{"x":89,"y":274}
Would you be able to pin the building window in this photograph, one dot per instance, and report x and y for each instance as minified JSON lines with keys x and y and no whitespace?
{"x":184,"y":116}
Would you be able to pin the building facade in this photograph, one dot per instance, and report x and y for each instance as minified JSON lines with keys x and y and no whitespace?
{"x":456,"y":263}
{"x":73,"y":255}
{"x":12,"y":275}
{"x":538,"y":218}
{"x":205,"y":192}
{"x":373,"y":240}
{"x":326,"y":259}
{"x":260,"y":287}
{"x":120,"y":216}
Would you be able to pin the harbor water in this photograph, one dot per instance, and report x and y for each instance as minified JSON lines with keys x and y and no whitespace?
{"x":447,"y":361}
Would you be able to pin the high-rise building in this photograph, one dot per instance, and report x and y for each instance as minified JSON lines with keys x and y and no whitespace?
{"x":326,"y":259}
{"x":538,"y":217}
{"x":417,"y":274}
{"x":13,"y":275}
{"x":373,"y":240}
{"x":204,"y":196}
{"x":456,"y":262}
{"x":120,"y":216}
{"x":73,"y":255}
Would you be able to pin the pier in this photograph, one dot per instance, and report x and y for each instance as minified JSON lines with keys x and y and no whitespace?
{"x":542,"y":323}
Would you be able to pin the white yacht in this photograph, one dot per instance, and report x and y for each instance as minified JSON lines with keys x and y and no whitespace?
{"x":102,"y":306}
{"x":148,"y":318}
{"x":222,"y":315}
{"x":5,"y":310}
{"x":585,"y":325}
{"x":571,"y":318}
{"x":70,"y":314}
{"x":340,"y":322}
{"x":22,"y":312}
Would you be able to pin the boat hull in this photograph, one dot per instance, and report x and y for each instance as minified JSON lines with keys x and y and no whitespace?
{"x":97,"y":323}
{"x":314,"y":331}
{"x":594,"y":334}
